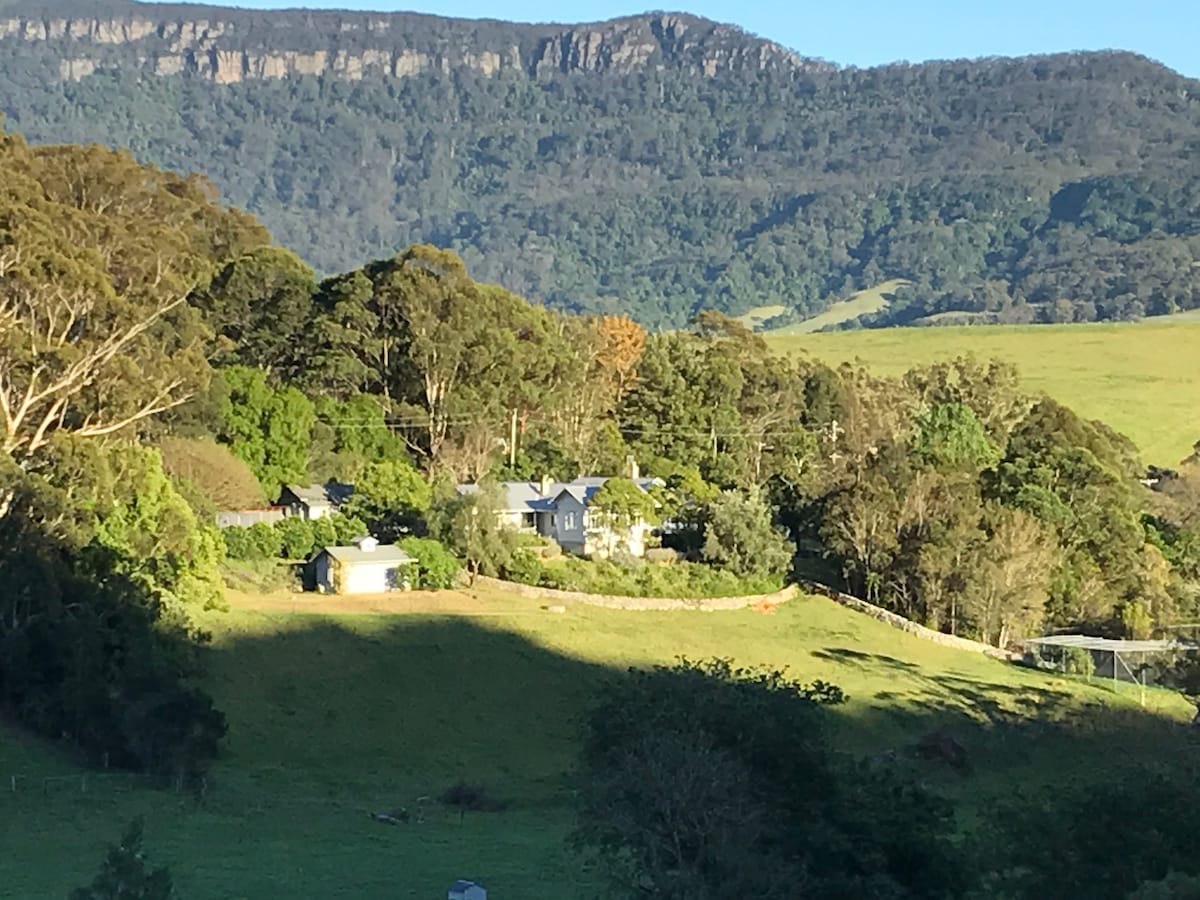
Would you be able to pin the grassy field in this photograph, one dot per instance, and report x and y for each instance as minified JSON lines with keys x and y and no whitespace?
{"x":1139,"y":377}
{"x":752,"y":318}
{"x":860,"y":304}
{"x":334,"y":714}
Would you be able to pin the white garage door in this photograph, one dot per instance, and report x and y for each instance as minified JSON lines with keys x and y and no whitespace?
{"x":366,"y":579}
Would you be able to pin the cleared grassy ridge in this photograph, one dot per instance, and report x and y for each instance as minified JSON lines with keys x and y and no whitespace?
{"x":752,"y":318}
{"x":335,"y":715}
{"x":870,"y":300}
{"x":1139,"y":377}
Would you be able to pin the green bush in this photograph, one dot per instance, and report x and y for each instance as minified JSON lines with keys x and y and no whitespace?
{"x":125,"y":875}
{"x":325,"y":531}
{"x":296,"y":537}
{"x":258,"y":542}
{"x":345,"y":528}
{"x":237,"y":542}
{"x":1078,"y":661}
{"x":524,"y":567}
{"x":683,"y":580}
{"x":265,"y":540}
{"x":437,"y":567}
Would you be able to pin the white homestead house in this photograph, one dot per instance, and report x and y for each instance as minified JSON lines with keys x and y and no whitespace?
{"x":561,"y":510}
{"x":366,"y":567}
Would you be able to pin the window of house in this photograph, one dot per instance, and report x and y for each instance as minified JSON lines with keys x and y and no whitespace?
{"x":569,"y":521}
{"x":553,"y":520}
{"x":528,"y":520}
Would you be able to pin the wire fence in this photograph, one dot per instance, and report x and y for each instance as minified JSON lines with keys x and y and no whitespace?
{"x":93,"y":782}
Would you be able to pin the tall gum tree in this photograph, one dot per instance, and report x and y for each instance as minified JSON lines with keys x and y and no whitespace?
{"x":97,"y":256}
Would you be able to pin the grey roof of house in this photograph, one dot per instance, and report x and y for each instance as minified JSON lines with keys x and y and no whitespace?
{"x":461,"y":885}
{"x":317,"y":494}
{"x":583,"y":489}
{"x":527,"y":496}
{"x":383,"y":553}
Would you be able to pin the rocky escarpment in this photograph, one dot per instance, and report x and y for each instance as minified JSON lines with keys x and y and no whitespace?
{"x":228,"y":46}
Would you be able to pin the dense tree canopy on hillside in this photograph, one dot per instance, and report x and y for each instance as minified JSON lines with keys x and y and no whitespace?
{"x":103,"y":556}
{"x":1042,"y":189}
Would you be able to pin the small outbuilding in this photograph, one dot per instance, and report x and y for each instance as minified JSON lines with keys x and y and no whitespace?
{"x":365,"y":567}
{"x":466,"y":890}
{"x":314,"y":501}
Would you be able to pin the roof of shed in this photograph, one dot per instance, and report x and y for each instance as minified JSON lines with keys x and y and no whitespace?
{"x":1087,"y":642}
{"x":383,"y":553}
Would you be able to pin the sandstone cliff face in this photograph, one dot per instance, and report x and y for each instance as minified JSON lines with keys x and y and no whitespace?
{"x":230,"y":46}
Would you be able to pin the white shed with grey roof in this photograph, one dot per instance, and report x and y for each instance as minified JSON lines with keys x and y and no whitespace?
{"x":366,"y":567}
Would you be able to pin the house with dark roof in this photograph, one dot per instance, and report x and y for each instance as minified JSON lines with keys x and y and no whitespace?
{"x":364,"y":567}
{"x":561,"y":510}
{"x":313,"y":501}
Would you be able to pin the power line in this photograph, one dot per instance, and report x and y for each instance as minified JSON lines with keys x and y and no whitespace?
{"x":650,"y":431}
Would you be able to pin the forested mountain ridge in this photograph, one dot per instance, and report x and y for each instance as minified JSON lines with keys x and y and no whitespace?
{"x":655,"y":165}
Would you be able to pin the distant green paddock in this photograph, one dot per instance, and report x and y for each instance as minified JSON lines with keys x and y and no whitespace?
{"x":334,"y":716}
{"x":1142,"y":378}
{"x":869,"y":300}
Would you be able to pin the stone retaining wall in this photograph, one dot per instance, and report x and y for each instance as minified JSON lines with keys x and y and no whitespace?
{"x":703,"y":604}
{"x":898,"y":621}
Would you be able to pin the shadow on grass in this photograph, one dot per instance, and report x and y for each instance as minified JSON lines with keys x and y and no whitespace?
{"x":864,"y":660}
{"x":331,"y":720}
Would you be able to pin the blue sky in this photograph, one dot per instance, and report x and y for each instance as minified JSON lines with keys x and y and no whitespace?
{"x":870,"y":32}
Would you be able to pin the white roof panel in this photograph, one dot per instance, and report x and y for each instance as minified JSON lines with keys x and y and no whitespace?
{"x":1087,"y":642}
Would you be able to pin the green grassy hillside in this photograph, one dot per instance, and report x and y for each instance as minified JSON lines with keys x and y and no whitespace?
{"x":861,"y":303}
{"x":332,"y":716}
{"x":1139,"y":377}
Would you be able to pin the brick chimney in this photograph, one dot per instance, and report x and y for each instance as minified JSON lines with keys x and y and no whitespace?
{"x":631,"y":467}
{"x":544,"y":486}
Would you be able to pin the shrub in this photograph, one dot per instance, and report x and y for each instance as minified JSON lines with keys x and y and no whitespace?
{"x":662,"y":555}
{"x":557,"y":578}
{"x":741,"y":538}
{"x":681,"y":580}
{"x":437,"y":567}
{"x":296,"y":537}
{"x":124,"y":874}
{"x":392,"y":497}
{"x":264,"y":539}
{"x":345,"y":528}
{"x":470,"y":797}
{"x":701,"y":776}
{"x":468,"y":524}
{"x":237,"y":543}
{"x":325,"y":531}
{"x":1078,"y":661}
{"x":626,"y":560}
{"x":524,"y":567}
